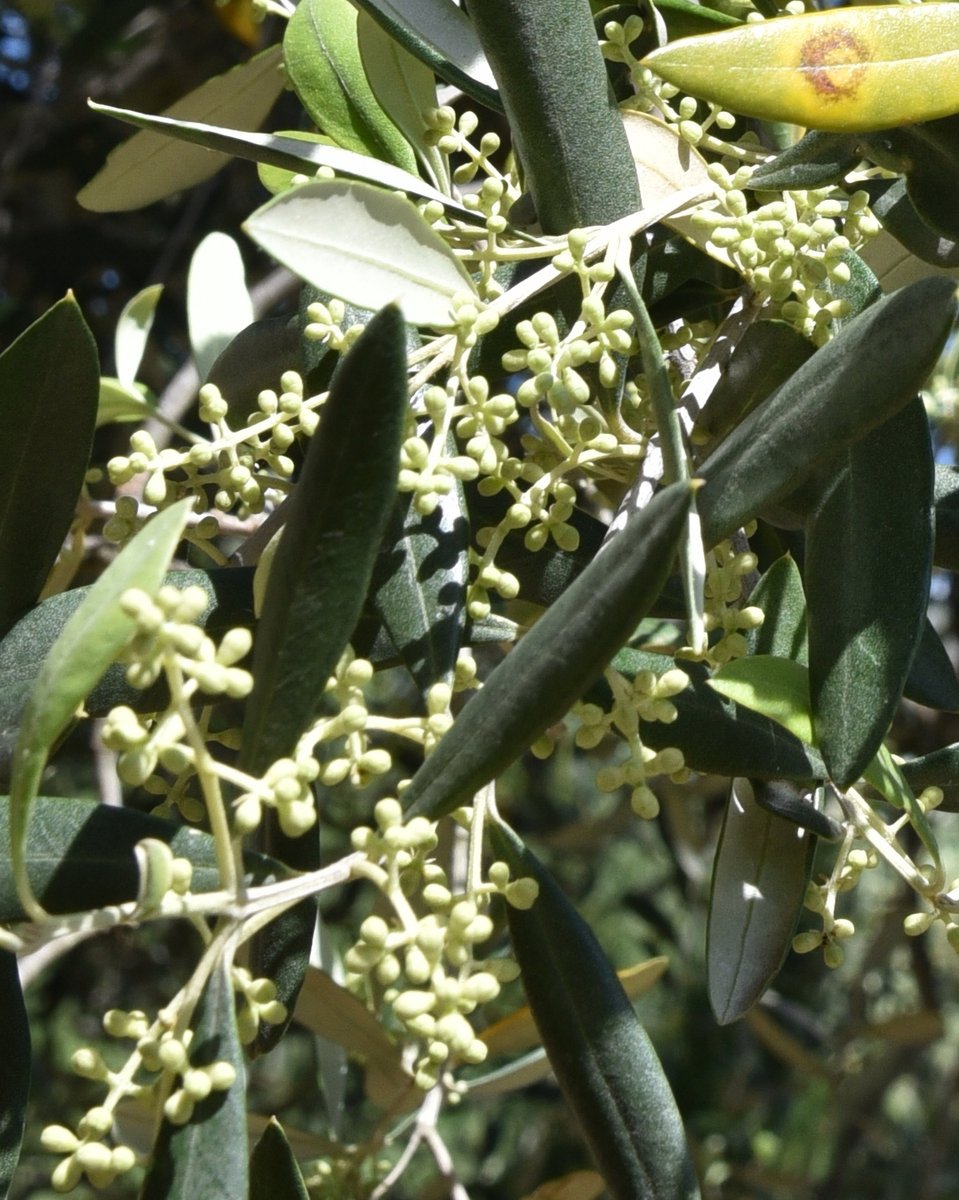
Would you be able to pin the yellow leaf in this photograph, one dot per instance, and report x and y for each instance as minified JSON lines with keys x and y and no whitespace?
{"x":845,"y":70}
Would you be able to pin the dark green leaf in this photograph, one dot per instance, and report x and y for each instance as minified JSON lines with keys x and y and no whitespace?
{"x":928,"y":155}
{"x":787,"y":802}
{"x":932,"y":677}
{"x":815,"y":161}
{"x":208,"y":1156}
{"x":274,"y":1171}
{"x":947,"y":518}
{"x":557,"y":660}
{"x":420,"y":586}
{"x":890,"y":203}
{"x":715,"y":735}
{"x":766,"y":356}
{"x":49,"y":380}
{"x":254,"y":361}
{"x":867,"y":569}
{"x":89,"y":642}
{"x":535,"y":57}
{"x":599,"y":1051}
{"x":439,"y":34}
{"x":865,"y":375}
{"x":15,"y":1076}
{"x":781,"y":597}
{"x":760,"y":874}
{"x":322,"y":568}
{"x":322,"y":60}
{"x":939,"y":768}
{"x":317,"y":586}
{"x":79,"y":856}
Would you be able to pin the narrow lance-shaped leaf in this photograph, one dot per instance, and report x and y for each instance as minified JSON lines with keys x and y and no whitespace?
{"x":150,"y":166}
{"x":207,"y":1156}
{"x":600,"y":1053}
{"x":217,"y":301}
{"x":49,"y":381}
{"x":872,"y":368}
{"x":932,"y":677}
{"x":318,"y":581}
{"x":555,"y":662}
{"x":760,"y":873}
{"x":80,"y":855}
{"x":440,"y":34}
{"x":366,"y":246}
{"x":90,"y":641}
{"x":322,"y":59}
{"x":321,"y":571}
{"x":420,"y":585}
{"x":15,"y":1076}
{"x":406,"y":89}
{"x":133,"y":329}
{"x":846,"y":70}
{"x":780,"y":595}
{"x":868,"y":563}
{"x":274,"y":1171}
{"x":289,"y":153}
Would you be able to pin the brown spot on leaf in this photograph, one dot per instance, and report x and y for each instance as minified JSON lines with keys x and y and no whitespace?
{"x":824,"y":52}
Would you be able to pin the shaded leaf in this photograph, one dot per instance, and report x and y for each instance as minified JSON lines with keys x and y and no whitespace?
{"x":337,"y":516}
{"x":760,"y":873}
{"x":133,"y":329}
{"x":15,"y":1076}
{"x":329,"y":1010}
{"x":218,"y":304}
{"x":768,"y":353}
{"x":150,"y":166}
{"x":932,"y":677}
{"x":208,"y":1156}
{"x":718,"y":736}
{"x":946,"y":496}
{"x":939,"y":768}
{"x":366,"y":246}
{"x":440,"y":34}
{"x":815,"y":161}
{"x":928,"y":155}
{"x":863,"y":376}
{"x":80,"y":855}
{"x":274,"y":1171}
{"x":253,"y":361}
{"x":420,"y":586}
{"x":867,"y":569}
{"x":517,"y":1031}
{"x":890,"y":203}
{"x":322,"y":59}
{"x":49,"y":380}
{"x":555,"y":662}
{"x":599,"y":1051}
{"x":845,"y":70}
{"x":89,"y":642}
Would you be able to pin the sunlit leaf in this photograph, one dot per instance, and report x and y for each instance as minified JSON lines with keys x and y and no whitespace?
{"x":120,"y":403}
{"x":90,"y":641}
{"x":322,"y":59}
{"x":150,"y":166}
{"x":776,"y":687}
{"x":49,"y":381}
{"x":816,"y":160}
{"x":217,"y":302}
{"x":364,"y":245}
{"x":133,"y":329}
{"x":845,"y":70}
{"x":760,"y":872}
{"x":406,"y":89}
{"x":439,"y":33}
